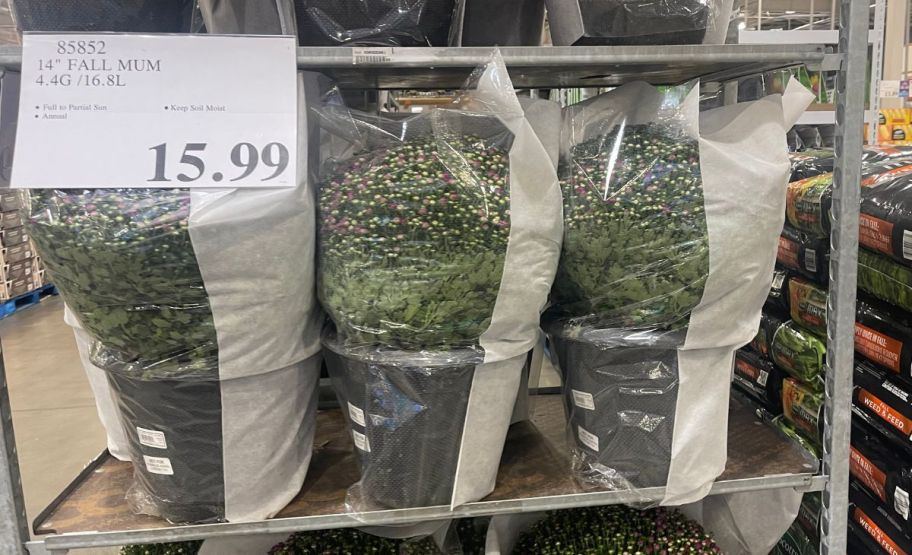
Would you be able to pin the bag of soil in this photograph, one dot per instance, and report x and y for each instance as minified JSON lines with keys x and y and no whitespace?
{"x":792,"y":433}
{"x":769,"y":323}
{"x":885,"y":279}
{"x":132,"y":16}
{"x":810,"y":163}
{"x":886,"y":217}
{"x":777,"y":302}
{"x":619,"y":22}
{"x":428,"y":427}
{"x":876,"y":521}
{"x":442,"y":229}
{"x":799,"y":352}
{"x":759,"y":379}
{"x":373,"y":22}
{"x":882,"y":470}
{"x":808,"y":305}
{"x":885,"y":399}
{"x":809,"y":256}
{"x":802,"y":407}
{"x":796,"y":541}
{"x":191,"y":338}
{"x":884,"y":336}
{"x":651,"y":187}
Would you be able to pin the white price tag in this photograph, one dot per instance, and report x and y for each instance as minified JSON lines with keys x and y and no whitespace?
{"x":156,"y":111}
{"x":356,"y":414}
{"x":588,"y":439}
{"x":583,"y":400}
{"x":158,"y":465}
{"x":361,"y":441}
{"x":901,"y":502}
{"x":151,"y":438}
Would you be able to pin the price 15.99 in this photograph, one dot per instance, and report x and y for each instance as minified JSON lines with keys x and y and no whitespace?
{"x":245,"y":158}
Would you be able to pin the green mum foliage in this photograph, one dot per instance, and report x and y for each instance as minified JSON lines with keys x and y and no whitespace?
{"x":616,"y":530}
{"x":635,"y":248}
{"x":469,"y":532}
{"x":180,"y":548}
{"x":412,"y":242}
{"x":125,"y":264}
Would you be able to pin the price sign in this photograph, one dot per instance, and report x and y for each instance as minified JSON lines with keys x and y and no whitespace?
{"x":113,"y":110}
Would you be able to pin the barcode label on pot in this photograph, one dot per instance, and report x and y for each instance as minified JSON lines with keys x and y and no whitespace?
{"x":361,"y":441}
{"x":907,"y":244}
{"x":158,"y":465}
{"x":761,"y":379}
{"x":583,"y":400}
{"x":901,"y":502}
{"x":356,"y":414}
{"x":588,"y":439}
{"x":810,"y":260}
{"x":371,"y":55}
{"x":151,"y":438}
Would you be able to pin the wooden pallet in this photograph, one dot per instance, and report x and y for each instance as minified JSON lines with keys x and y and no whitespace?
{"x":26,"y":300}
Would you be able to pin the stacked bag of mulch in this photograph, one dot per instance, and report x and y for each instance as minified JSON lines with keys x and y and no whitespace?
{"x":653,"y":190}
{"x":794,"y":337}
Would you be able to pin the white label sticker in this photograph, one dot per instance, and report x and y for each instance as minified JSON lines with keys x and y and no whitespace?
{"x":156,"y":111}
{"x":151,"y":438}
{"x":361,"y":441}
{"x":761,"y":379}
{"x":588,"y":439}
{"x":810,"y":260}
{"x":907,"y":244}
{"x":583,"y":400}
{"x":356,"y":414}
{"x":158,"y":465}
{"x":778,"y":279}
{"x":901,"y":502}
{"x":371,"y":55}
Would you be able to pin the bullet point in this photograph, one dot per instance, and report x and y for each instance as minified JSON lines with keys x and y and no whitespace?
{"x":36,"y":116}
{"x":37,"y":107}
{"x":166,"y":107}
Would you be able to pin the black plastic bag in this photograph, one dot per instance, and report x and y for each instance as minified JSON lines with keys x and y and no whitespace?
{"x":876,"y":521}
{"x":885,"y":399}
{"x":886,"y":217}
{"x":883,"y":471}
{"x":760,"y":379}
{"x":770,"y":322}
{"x":119,"y":16}
{"x":807,"y":255}
{"x":778,"y":299}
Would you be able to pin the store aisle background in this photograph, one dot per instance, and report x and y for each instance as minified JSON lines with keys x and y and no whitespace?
{"x":54,"y":418}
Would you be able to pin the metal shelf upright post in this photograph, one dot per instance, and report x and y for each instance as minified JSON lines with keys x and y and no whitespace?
{"x":321,"y":502}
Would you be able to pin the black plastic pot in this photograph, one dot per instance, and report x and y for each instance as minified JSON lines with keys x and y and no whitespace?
{"x":620,"y":393}
{"x":121,"y":16}
{"x":373,"y":22}
{"x":189,"y":414}
{"x":406,"y":412}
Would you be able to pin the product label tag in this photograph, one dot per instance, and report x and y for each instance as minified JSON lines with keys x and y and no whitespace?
{"x":158,"y":465}
{"x":583,"y":400}
{"x":875,"y":234}
{"x":761,"y":379}
{"x":588,"y":439}
{"x":901,"y":502}
{"x":124,"y":110}
{"x":862,"y":468}
{"x":810,"y":260}
{"x":356,"y":414}
{"x":151,"y":438}
{"x":876,"y":346}
{"x":884,"y":411}
{"x":361,"y":441}
{"x":371,"y":55}
{"x":907,"y":244}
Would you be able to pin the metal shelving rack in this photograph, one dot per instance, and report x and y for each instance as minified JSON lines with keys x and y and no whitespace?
{"x":530,"y":68}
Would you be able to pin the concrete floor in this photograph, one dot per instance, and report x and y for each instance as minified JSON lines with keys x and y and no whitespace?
{"x":54,"y":418}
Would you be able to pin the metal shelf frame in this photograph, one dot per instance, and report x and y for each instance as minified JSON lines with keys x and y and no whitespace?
{"x":436,"y":68}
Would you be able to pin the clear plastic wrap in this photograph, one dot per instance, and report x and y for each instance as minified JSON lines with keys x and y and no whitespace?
{"x":120,"y":16}
{"x":241,"y":17}
{"x":884,"y":471}
{"x":440,"y":229}
{"x":885,"y":279}
{"x":192,"y":338}
{"x":636,"y":247}
{"x":620,"y":22}
{"x":799,"y":352}
{"x":374,"y":22}
{"x":802,"y":407}
{"x":809,"y":163}
{"x":502,"y":23}
{"x":805,"y":254}
{"x":620,"y":391}
{"x":408,"y":416}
